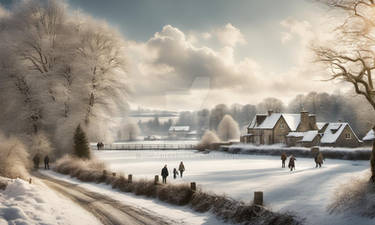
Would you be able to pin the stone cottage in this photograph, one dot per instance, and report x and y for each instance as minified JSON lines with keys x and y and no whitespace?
{"x":298,"y":130}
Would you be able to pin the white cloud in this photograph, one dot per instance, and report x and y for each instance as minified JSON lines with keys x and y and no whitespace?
{"x":229,"y":35}
{"x":166,"y":69}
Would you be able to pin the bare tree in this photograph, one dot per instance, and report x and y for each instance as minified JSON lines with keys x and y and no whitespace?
{"x":351,"y":56}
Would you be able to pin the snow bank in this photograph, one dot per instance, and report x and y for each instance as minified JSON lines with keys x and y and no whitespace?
{"x":24,"y":203}
{"x":362,"y":153}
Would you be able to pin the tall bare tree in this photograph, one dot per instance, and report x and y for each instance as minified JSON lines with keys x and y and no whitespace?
{"x":350,"y":57}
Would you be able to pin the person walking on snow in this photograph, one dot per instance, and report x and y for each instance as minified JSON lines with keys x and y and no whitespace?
{"x":283,"y":159}
{"x":319,"y":160}
{"x":164,"y":174}
{"x":175,"y":173}
{"x":292,"y":163}
{"x":181,"y":168}
{"x":46,"y":162}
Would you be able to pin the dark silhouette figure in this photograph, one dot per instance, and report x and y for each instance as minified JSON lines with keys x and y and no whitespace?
{"x":283,"y":159}
{"x":36,"y":161}
{"x":292,"y":164}
{"x":164,"y":174}
{"x":46,"y":162}
{"x":100,"y":145}
{"x":175,"y":173}
{"x":319,"y":160}
{"x":181,"y":168}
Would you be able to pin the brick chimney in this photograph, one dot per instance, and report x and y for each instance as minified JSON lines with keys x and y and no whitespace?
{"x":305,"y":121}
{"x":270,"y":112}
{"x":313,"y":122}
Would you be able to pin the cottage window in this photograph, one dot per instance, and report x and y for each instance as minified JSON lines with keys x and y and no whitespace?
{"x":282,"y":125}
{"x":347,"y":136}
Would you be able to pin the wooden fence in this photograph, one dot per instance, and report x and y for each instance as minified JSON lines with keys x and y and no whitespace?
{"x":147,"y":147}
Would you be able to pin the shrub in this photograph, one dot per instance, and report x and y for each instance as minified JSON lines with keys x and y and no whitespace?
{"x":14,"y":158}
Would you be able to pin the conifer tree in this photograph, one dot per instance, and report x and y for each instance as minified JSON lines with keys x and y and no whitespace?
{"x":81,"y":145}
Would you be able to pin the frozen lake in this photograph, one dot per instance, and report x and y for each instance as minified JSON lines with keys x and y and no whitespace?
{"x":307,"y":191}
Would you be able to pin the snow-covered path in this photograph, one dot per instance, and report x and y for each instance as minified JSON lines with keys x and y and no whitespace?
{"x":108,"y":210}
{"x":307,"y":191}
{"x":161,"y":211}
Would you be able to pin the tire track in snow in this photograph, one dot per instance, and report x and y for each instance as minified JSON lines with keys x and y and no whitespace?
{"x":106,"y":209}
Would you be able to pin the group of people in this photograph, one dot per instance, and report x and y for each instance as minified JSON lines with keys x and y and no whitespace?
{"x":318,"y":158}
{"x":36,"y":161}
{"x":100,"y":145}
{"x":165,"y":173}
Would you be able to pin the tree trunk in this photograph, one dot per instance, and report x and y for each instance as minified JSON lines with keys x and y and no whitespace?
{"x":372,"y":162}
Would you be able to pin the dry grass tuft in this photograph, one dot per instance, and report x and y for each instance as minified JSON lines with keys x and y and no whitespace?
{"x":357,"y":197}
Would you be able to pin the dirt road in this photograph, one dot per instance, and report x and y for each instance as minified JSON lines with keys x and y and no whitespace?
{"x":106,"y":209}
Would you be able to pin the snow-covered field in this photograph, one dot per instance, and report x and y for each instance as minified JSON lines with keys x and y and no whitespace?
{"x":24,"y":203}
{"x":307,"y":191}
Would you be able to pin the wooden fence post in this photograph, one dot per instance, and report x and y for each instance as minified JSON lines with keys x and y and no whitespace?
{"x":193,"y":186}
{"x":258,"y":198}
{"x":156,"y":181}
{"x":130,"y":178}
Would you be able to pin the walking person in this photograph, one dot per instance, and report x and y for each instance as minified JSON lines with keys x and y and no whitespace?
{"x":292,"y":164}
{"x":319,"y":160}
{"x":46,"y":162}
{"x":283,"y":159}
{"x":164,"y":174}
{"x":175,"y":173}
{"x":181,"y":168}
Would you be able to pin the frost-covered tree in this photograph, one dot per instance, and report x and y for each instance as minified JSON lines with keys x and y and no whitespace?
{"x":228,"y":129}
{"x":60,"y":68}
{"x":81,"y":144}
{"x":350,"y":55}
{"x":130,"y":132}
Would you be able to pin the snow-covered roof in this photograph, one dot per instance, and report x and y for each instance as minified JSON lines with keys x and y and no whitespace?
{"x":295,"y":134}
{"x":369,"y":136}
{"x":179,"y":128}
{"x":333,"y":131}
{"x":307,"y":136}
{"x":320,"y":125}
{"x":293,"y":120}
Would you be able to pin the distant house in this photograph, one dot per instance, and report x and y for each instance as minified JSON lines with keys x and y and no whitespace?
{"x":298,"y":130}
{"x":178,"y":131}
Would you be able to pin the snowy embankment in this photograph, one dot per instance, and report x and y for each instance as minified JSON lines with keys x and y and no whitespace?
{"x":176,"y":214}
{"x":362,"y":153}
{"x":308,"y":191}
{"x":24,"y":203}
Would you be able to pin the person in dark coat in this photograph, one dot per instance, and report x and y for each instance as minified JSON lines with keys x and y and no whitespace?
{"x":46,"y":162}
{"x":36,"y":161}
{"x":292,"y":164}
{"x":164,"y":174}
{"x":319,"y":160}
{"x":175,"y":173}
{"x":181,"y":168}
{"x":283,"y":159}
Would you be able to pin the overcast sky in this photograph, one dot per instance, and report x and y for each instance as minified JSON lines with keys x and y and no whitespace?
{"x":191,"y":54}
